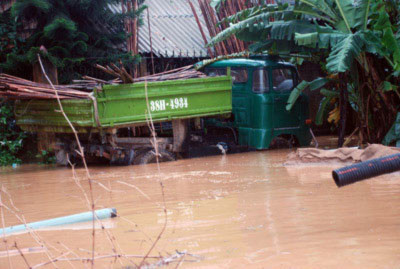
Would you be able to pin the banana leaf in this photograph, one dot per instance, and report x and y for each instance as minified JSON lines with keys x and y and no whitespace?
{"x":393,"y":134}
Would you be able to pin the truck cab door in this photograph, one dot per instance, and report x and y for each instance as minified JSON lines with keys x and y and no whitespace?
{"x":283,"y":81}
{"x":240,"y":96}
{"x":241,"y":101}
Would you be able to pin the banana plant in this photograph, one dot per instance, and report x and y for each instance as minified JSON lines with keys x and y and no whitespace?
{"x":359,"y":38}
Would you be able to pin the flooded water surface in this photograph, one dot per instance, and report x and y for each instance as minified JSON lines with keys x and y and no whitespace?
{"x":237,"y":211}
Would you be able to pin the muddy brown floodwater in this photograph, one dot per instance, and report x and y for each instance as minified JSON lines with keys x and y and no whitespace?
{"x":236,"y":211}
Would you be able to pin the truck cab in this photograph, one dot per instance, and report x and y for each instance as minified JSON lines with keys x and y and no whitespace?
{"x":260,"y":91}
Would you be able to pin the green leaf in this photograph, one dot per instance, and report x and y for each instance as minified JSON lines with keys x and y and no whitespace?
{"x":296,"y":92}
{"x":383,"y":21}
{"x":309,"y":39}
{"x":297,"y":60}
{"x":342,"y":55}
{"x":60,"y":28}
{"x":323,"y":106}
{"x":313,"y":10}
{"x":286,"y":30}
{"x":318,"y":83}
{"x":347,"y":12}
{"x":387,"y":86}
{"x":244,"y":14}
{"x":362,"y":14}
{"x":261,"y":46}
{"x":330,"y":40}
{"x":23,"y":9}
{"x":323,"y":7}
{"x":394,"y":133}
{"x":329,"y":93}
{"x":248,"y":24}
{"x":391,"y":43}
{"x":216,"y":3}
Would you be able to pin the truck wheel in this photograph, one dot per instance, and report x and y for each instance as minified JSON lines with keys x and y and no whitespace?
{"x":126,"y":158}
{"x":129,"y":157}
{"x":285,"y":141}
{"x":150,"y":156}
{"x":61,"y":157}
{"x":280,"y":143}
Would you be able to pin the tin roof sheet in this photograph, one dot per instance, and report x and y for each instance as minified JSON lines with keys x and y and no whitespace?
{"x":174,"y":30}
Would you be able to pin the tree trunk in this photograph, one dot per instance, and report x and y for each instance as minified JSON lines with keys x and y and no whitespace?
{"x":50,"y":69}
{"x":344,"y":95}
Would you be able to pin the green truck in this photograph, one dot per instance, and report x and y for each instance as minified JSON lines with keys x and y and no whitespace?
{"x":244,"y":98}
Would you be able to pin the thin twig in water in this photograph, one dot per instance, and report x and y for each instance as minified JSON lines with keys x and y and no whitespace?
{"x":4,"y":230}
{"x":4,"y":190}
{"x":136,"y":188}
{"x":89,"y":259}
{"x":153,"y":132}
{"x":181,"y":261}
{"x":22,"y":255}
{"x":177,"y":257}
{"x":82,"y":154}
{"x":31,"y":232}
{"x":70,"y":251}
{"x":109,"y":237}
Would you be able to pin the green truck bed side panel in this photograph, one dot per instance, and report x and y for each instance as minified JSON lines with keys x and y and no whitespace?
{"x":44,"y":115}
{"x":125,"y":104}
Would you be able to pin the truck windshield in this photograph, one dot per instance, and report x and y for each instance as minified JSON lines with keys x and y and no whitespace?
{"x":239,"y":75}
{"x":260,"y":81}
{"x":282,"y":79}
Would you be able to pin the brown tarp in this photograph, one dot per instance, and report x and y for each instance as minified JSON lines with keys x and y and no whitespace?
{"x":341,"y":155}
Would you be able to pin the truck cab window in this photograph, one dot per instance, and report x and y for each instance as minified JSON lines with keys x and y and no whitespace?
{"x":260,"y":81}
{"x":282,"y":80}
{"x":239,"y":75}
{"x":215,"y":72}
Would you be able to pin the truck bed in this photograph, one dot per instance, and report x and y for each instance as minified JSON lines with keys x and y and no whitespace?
{"x":116,"y":106}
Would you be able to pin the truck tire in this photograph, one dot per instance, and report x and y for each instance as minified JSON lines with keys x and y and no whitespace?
{"x":150,"y":156}
{"x":282,"y":142}
{"x":126,"y":158}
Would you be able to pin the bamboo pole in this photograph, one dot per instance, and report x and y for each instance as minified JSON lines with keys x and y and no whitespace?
{"x":201,"y":29}
{"x":211,"y":28}
{"x":216,"y":27}
{"x":151,"y":43}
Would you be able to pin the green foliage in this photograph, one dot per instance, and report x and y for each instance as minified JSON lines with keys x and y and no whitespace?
{"x":394,"y":133}
{"x":322,"y":110}
{"x":10,"y":44}
{"x":296,"y":93}
{"x":75,"y":34}
{"x":216,"y":3}
{"x":46,"y":157}
{"x":11,"y":137}
{"x":343,"y":54}
{"x":312,"y":85}
{"x":358,"y":39}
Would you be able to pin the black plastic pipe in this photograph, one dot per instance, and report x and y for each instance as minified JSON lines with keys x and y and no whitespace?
{"x":364,"y":170}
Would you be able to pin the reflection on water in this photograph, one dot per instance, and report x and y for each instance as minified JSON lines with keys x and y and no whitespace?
{"x":236,"y":211}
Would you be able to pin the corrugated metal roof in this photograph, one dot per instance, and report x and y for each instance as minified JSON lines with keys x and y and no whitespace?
{"x":174,"y":30}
